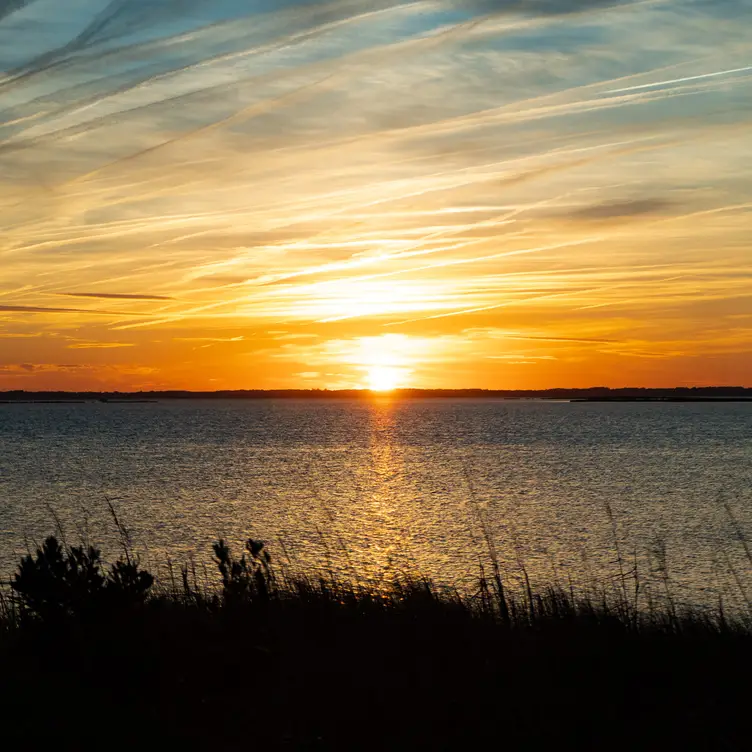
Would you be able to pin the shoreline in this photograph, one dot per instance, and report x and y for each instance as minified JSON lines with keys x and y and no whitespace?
{"x":319,"y":664}
{"x":591,"y":394}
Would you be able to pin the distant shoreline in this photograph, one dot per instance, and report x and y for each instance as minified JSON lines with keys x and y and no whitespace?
{"x":592,"y":394}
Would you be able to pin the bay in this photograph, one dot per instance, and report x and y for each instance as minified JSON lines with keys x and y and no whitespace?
{"x":371,"y":488}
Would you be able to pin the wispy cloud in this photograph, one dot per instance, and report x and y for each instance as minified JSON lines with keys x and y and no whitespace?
{"x":44,"y":309}
{"x":98,"y":345}
{"x":622,"y":209}
{"x":38,"y":368}
{"x":578,"y":340}
{"x":115,"y":295}
{"x":572,"y":171}
{"x":239,"y":338}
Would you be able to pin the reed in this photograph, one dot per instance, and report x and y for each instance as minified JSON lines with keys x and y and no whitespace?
{"x":108,"y":654}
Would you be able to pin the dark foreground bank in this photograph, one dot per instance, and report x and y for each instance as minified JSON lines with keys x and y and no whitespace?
{"x":103,"y":658}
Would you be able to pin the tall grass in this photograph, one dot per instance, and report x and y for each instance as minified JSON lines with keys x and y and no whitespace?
{"x":266,"y":656}
{"x":61,"y":580}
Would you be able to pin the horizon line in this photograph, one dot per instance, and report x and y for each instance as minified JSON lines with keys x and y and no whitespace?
{"x":396,"y":390}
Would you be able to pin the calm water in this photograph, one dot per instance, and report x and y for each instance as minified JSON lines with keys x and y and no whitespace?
{"x":374,"y":487}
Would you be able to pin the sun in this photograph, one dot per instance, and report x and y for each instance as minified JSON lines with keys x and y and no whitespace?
{"x":384,"y":362}
{"x":383,"y":378}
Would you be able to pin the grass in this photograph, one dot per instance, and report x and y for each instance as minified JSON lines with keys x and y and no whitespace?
{"x":109,"y":658}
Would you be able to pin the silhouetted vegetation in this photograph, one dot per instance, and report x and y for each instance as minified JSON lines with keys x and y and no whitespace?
{"x":107,"y":657}
{"x":61,"y":582}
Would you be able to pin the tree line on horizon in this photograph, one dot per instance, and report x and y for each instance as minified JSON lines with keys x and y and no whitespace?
{"x":551,"y":393}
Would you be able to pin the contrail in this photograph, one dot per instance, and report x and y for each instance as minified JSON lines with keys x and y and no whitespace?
{"x":681,"y":80}
{"x":507,"y":303}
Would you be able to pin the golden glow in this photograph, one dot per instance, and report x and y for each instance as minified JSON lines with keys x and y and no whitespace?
{"x":383,"y":378}
{"x":384,"y":361}
{"x":366,"y":203}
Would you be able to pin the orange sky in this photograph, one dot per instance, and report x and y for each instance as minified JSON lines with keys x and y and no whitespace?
{"x":424,"y":194}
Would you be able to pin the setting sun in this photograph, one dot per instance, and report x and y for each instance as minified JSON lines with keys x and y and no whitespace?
{"x":383,"y":378}
{"x":378,"y":299}
{"x":323,"y":222}
{"x":384,"y":361}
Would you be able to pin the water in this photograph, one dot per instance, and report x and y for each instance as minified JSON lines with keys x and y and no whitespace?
{"x":372,"y":487}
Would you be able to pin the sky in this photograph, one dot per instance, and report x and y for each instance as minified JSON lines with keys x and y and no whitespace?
{"x":231,"y":194}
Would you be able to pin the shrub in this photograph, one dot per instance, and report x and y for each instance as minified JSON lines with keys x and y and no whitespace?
{"x":60,"y":581}
{"x":248,"y":577}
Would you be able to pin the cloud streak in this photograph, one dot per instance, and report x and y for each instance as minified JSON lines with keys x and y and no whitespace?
{"x":115,"y":296}
{"x":576,"y":168}
{"x":44,"y":309}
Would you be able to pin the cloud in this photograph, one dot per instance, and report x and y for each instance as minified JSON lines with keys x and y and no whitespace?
{"x":38,"y":368}
{"x":539,"y":7}
{"x":42,"y":309}
{"x":279,"y":163}
{"x":79,"y":369}
{"x":222,"y":279}
{"x":519,"y":357}
{"x":115,"y":295}
{"x":239,"y":338}
{"x":581,"y":340}
{"x":99,"y":345}
{"x":621,"y":209}
{"x":9,"y":6}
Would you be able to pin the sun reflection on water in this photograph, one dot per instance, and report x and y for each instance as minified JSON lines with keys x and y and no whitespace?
{"x":383,"y":520}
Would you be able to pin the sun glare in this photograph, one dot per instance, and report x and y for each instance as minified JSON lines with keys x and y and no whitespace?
{"x":383,"y":378}
{"x":384,"y":362}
